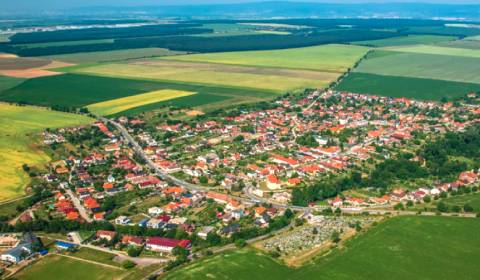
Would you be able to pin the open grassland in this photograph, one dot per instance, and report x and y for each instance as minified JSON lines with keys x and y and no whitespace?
{"x":406,"y":40}
{"x":329,"y":58}
{"x":400,"y":248}
{"x":19,"y":128}
{"x":60,"y":268}
{"x":122,"y":104}
{"x":275,"y":83}
{"x":415,"y":88}
{"x":419,"y":65}
{"x":116,"y":55}
{"x":438,"y":50}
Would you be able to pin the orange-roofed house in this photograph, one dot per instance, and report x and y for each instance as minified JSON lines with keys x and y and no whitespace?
{"x":72,"y":216}
{"x":294,"y":181}
{"x":273,"y":182}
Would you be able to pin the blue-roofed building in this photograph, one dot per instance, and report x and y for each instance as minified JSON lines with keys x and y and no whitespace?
{"x":143,"y":223}
{"x":64,"y":245}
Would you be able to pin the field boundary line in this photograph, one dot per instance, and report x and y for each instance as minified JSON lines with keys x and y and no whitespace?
{"x":89,"y":261}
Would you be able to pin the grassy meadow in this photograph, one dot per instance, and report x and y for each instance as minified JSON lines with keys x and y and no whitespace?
{"x":406,"y":40}
{"x":19,"y":143}
{"x":415,"y":88}
{"x":328,"y":58}
{"x":400,"y":248}
{"x":63,"y":268}
{"x":123,"y":104}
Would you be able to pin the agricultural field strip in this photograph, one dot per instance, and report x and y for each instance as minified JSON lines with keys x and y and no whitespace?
{"x":325,"y":58}
{"x":420,"y":65}
{"x":122,"y":104}
{"x":231,"y":68}
{"x":407,"y":40}
{"x":274,"y":83}
{"x":436,"y":50}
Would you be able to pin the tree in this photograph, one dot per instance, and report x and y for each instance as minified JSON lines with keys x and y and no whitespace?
{"x":467,"y":208}
{"x":213,"y":239}
{"x":427,"y":199}
{"x":442,"y":207}
{"x":134,"y":251}
{"x":409,"y":203}
{"x":456,"y":208}
{"x":335,"y":237}
{"x":240,"y":243}
{"x":128,"y":264}
{"x":399,"y":206}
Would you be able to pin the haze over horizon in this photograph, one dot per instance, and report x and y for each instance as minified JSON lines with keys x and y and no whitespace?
{"x":60,"y":4}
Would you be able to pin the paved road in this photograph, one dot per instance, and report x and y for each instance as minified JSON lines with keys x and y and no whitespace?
{"x":79,"y":206}
{"x":251,"y":198}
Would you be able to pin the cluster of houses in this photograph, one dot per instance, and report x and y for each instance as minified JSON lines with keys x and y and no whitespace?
{"x":297,"y":142}
{"x":466,"y":178}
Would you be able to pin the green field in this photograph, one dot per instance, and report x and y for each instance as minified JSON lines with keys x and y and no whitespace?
{"x":415,"y":88}
{"x":400,"y":248}
{"x":406,"y":40}
{"x":19,"y":128}
{"x":329,"y":58}
{"x":126,"y":103}
{"x":53,"y":90}
{"x":60,"y":268}
{"x":104,"y":56}
{"x":9,"y":82}
{"x":195,"y":75}
{"x":439,"y":50}
{"x":419,"y":65}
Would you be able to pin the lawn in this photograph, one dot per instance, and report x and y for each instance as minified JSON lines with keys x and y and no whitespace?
{"x":115,"y":55}
{"x":272,"y":82}
{"x":393,"y":86}
{"x":439,"y":50}
{"x":420,"y":65}
{"x":123,"y":104}
{"x":329,"y":58}
{"x":95,"y":255}
{"x":62,"y":268}
{"x":400,"y":248}
{"x":19,"y":143}
{"x":406,"y":40}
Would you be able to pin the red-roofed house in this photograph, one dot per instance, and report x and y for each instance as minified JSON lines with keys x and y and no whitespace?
{"x":165,"y":245}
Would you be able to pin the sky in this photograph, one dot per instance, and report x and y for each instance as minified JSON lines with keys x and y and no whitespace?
{"x":65,"y":4}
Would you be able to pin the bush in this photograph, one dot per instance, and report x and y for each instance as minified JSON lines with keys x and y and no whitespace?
{"x":128,"y":264}
{"x":240,"y":243}
{"x":467,"y":208}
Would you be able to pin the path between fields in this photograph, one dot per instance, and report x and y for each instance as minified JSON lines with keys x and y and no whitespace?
{"x":89,"y":261}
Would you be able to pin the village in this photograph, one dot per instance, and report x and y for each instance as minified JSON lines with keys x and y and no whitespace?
{"x":185,"y":187}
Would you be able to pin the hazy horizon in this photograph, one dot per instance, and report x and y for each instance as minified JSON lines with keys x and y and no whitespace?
{"x":61,"y":4}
